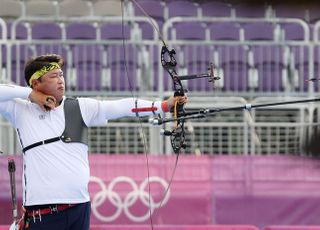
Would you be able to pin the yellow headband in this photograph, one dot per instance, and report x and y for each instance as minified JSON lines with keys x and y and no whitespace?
{"x":45,"y":69}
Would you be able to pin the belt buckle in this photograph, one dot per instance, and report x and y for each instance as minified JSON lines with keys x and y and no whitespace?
{"x":36,"y":214}
{"x":54,"y":208}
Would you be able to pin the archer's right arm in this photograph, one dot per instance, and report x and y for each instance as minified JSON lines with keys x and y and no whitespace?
{"x":10,"y":92}
{"x":8,"y":100}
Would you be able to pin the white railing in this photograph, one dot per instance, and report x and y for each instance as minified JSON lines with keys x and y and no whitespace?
{"x":236,"y":133}
{"x":247,"y":67}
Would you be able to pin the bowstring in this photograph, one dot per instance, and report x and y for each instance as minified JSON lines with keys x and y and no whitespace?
{"x":139,"y":118}
{"x":175,"y":114}
{"x":151,"y":21}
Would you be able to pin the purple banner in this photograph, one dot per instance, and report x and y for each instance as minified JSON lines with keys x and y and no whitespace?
{"x":224,"y":190}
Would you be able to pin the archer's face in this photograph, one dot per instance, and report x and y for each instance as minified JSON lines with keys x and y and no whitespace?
{"x":52,"y":83}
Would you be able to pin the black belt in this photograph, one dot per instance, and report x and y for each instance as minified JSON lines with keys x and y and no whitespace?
{"x":41,"y":143}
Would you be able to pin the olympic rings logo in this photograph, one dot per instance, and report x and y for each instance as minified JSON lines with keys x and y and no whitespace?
{"x":107,"y":193}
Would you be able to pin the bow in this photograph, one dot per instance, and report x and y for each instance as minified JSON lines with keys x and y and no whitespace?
{"x":169,"y":63}
{"x":12,"y":170}
{"x":177,"y":135}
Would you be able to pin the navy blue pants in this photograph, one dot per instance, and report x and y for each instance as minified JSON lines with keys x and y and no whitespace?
{"x":74,"y":218}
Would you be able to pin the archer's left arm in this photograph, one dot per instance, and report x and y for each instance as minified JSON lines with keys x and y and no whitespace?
{"x":98,"y":112}
{"x":131,"y":107}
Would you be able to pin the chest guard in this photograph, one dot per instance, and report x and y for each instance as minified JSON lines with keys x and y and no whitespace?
{"x":75,"y":129}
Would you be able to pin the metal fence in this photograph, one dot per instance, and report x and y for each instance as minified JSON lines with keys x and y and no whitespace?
{"x":274,"y":130}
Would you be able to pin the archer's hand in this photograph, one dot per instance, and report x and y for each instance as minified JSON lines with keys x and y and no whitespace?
{"x":172,"y":100}
{"x":46,"y":102}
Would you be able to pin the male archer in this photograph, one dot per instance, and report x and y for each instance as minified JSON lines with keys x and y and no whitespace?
{"x":52,"y":131}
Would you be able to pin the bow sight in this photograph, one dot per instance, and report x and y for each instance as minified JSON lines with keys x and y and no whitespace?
{"x":211,"y":75}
